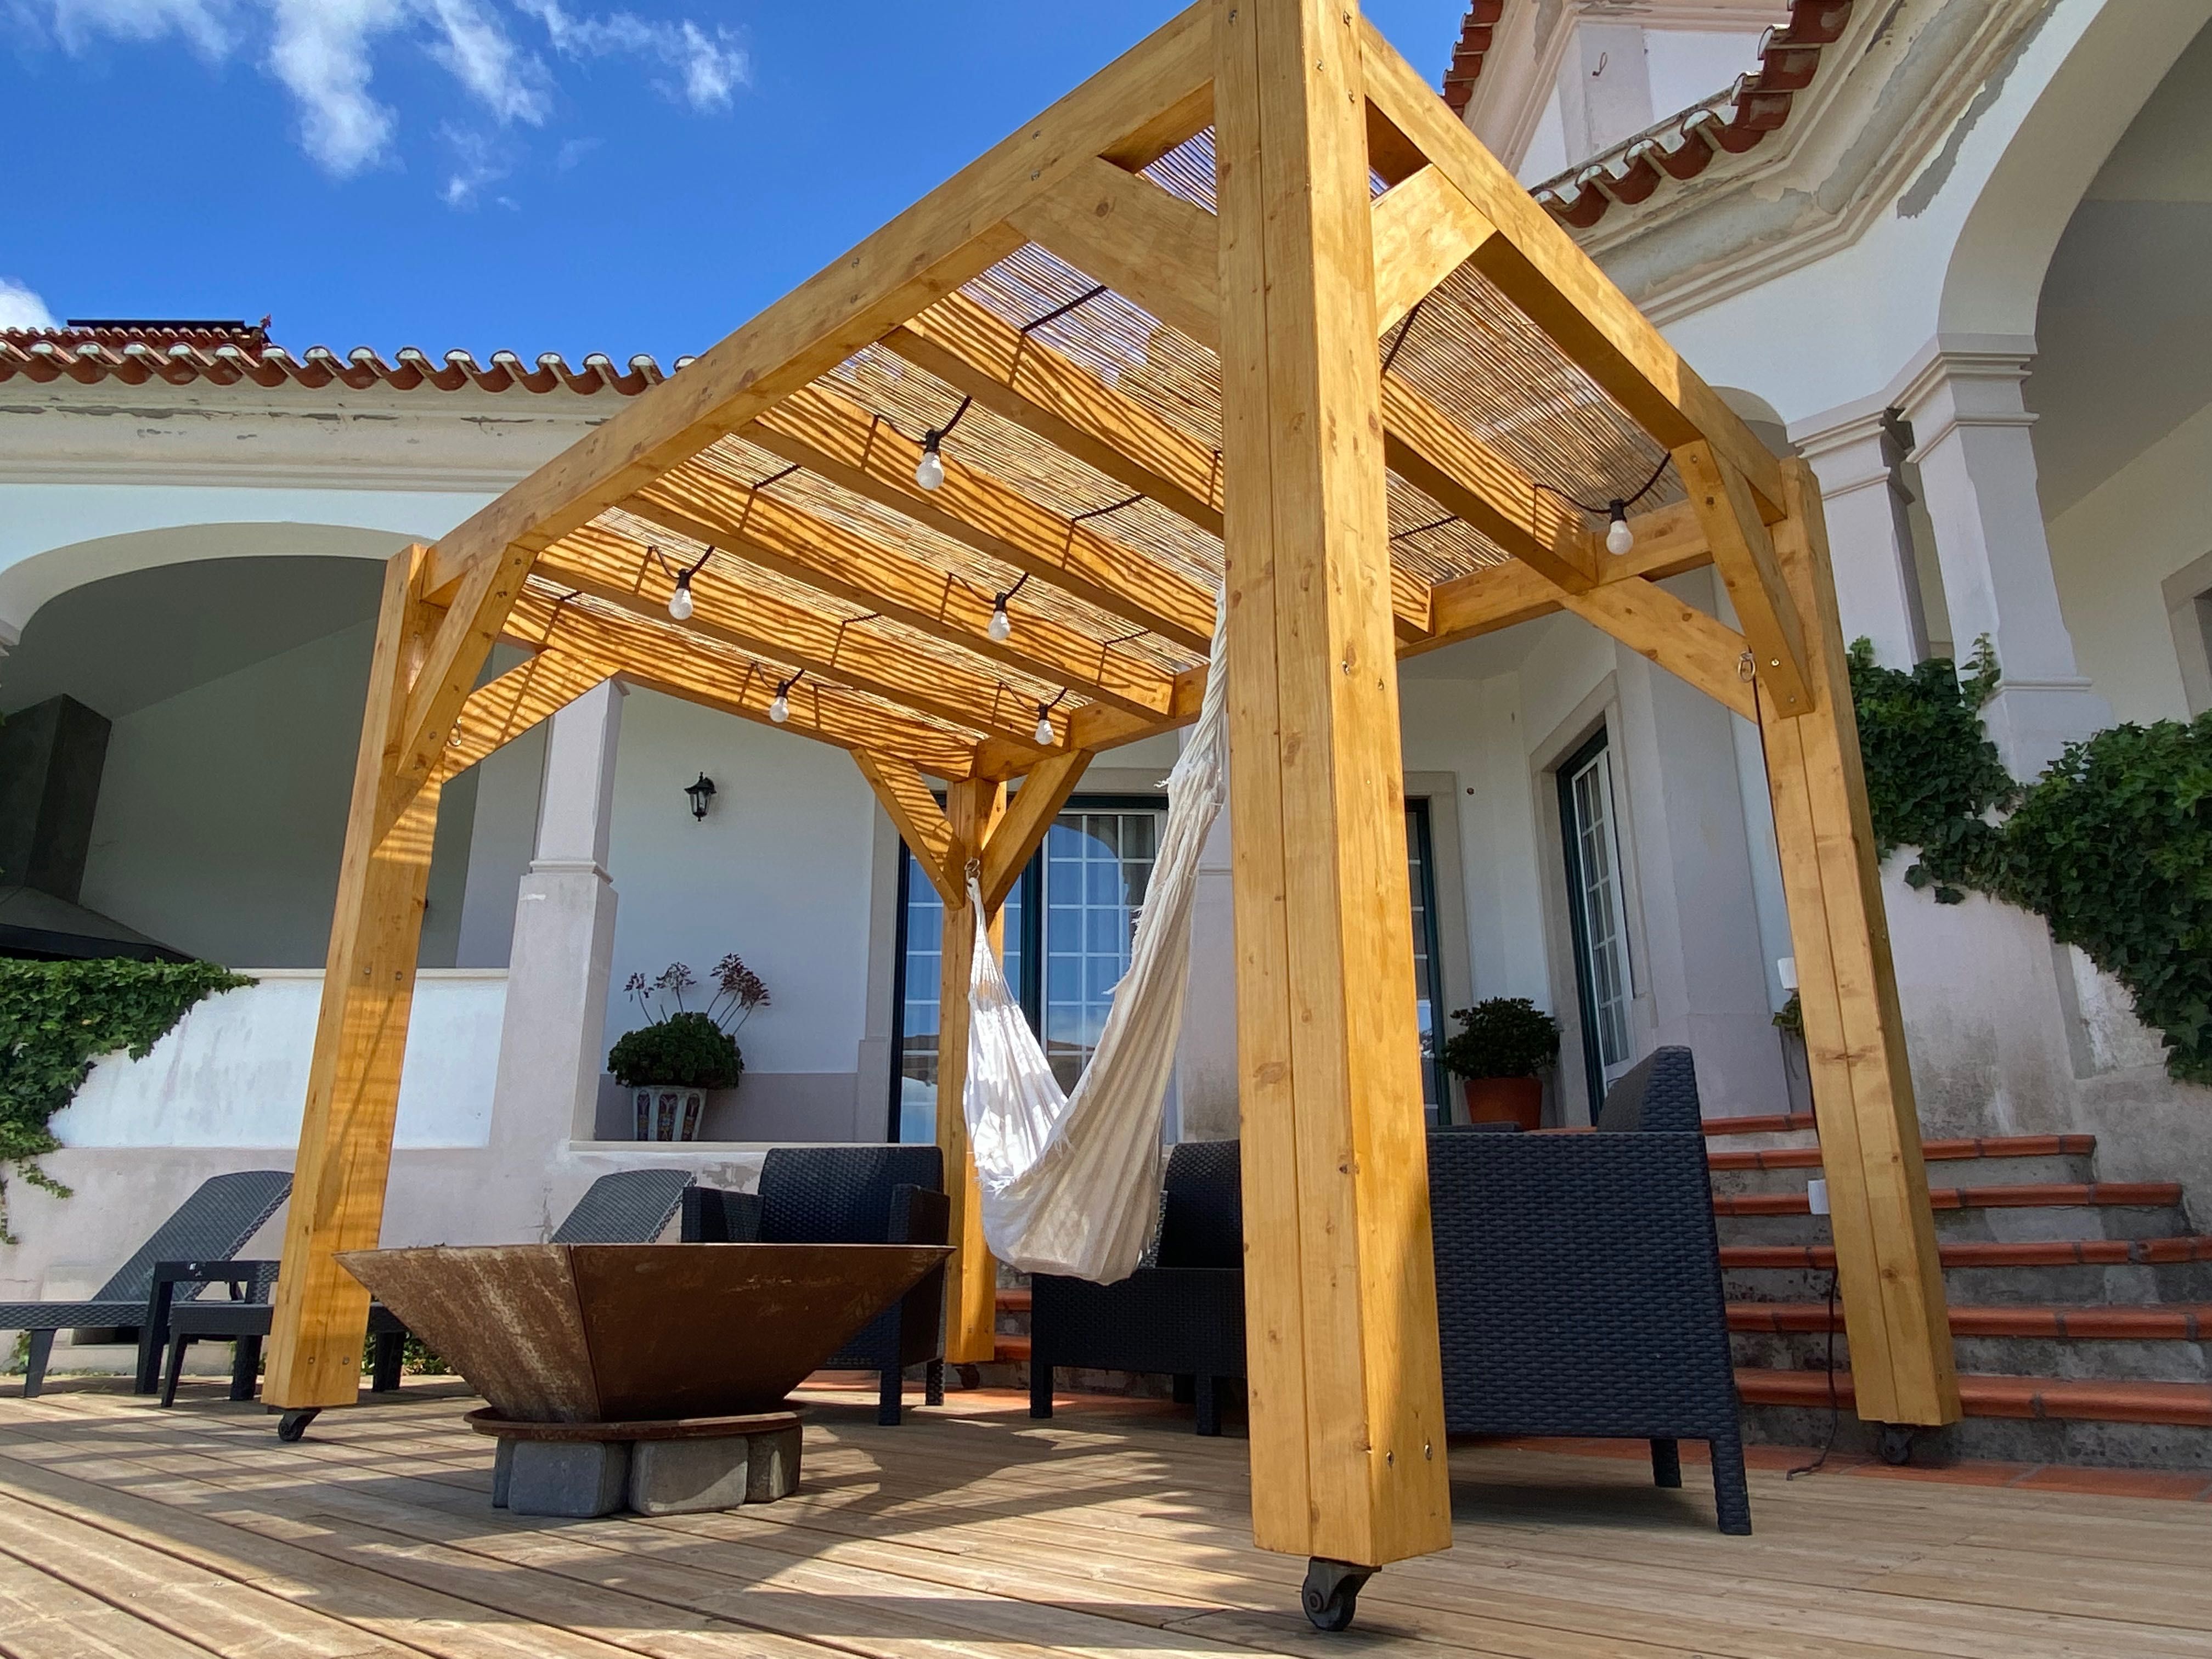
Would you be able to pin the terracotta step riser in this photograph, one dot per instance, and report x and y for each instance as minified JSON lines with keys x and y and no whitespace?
{"x":2002,"y":1356}
{"x":1972,"y":1172}
{"x":1980,"y":1226}
{"x":2074,"y":1286}
{"x":1742,"y":1131}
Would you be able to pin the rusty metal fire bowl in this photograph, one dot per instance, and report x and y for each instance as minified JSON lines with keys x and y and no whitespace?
{"x":622,"y":1333}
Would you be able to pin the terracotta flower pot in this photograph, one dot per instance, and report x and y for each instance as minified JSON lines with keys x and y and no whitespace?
{"x":1505,"y":1100}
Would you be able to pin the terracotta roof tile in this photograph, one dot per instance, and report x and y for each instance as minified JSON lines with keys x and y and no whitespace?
{"x":222,"y":355}
{"x":1683,"y":145}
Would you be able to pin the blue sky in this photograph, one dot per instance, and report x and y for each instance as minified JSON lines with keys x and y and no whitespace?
{"x":534,"y":175}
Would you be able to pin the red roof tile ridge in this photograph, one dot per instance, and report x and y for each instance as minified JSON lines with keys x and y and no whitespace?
{"x":1686,"y":143}
{"x":180,"y":356}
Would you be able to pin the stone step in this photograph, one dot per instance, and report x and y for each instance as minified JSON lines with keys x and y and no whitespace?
{"x":2002,"y":1213}
{"x":2165,"y":1344}
{"x":2011,"y":1161}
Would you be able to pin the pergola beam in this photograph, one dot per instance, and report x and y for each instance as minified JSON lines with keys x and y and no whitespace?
{"x":695,"y":503}
{"x":1745,"y":553}
{"x":727,"y":681}
{"x":913,"y":811}
{"x":1424,"y":230}
{"x":622,"y":573}
{"x":1560,"y":288}
{"x":1021,"y":831}
{"x":1037,"y":389}
{"x":838,"y":440}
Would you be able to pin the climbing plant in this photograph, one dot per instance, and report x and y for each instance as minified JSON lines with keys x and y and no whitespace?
{"x":2112,"y":845}
{"x":56,"y":1018}
{"x":1932,"y":777}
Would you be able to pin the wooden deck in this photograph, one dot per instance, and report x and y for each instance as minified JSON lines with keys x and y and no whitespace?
{"x":972,"y":1534}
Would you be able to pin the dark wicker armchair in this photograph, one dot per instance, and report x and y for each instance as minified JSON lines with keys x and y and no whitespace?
{"x":850,"y":1195}
{"x":1181,"y":1313}
{"x":1578,"y":1283}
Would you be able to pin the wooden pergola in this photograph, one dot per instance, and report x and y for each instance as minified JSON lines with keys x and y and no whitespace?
{"x":1250,"y":312}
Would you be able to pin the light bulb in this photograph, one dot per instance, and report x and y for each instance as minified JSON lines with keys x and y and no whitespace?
{"x":1044,"y":727}
{"x":929,"y":471}
{"x":778,"y":708}
{"x":679,"y":602}
{"x":1619,"y":537}
{"x":1002,"y":625}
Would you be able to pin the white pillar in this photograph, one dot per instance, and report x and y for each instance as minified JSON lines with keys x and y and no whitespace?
{"x":553,"y":1034}
{"x":1877,"y":586}
{"x":1978,"y":477}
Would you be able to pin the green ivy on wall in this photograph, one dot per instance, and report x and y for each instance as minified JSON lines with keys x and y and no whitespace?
{"x":2112,"y":846}
{"x":56,"y":1018}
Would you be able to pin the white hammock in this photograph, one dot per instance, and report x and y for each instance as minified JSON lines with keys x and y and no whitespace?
{"x":1071,"y":1183}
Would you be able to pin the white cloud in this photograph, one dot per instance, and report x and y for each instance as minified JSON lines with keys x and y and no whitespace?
{"x":476,"y":164}
{"x":711,"y":67}
{"x":20,"y":308}
{"x":322,"y":52}
{"x":205,"y":23}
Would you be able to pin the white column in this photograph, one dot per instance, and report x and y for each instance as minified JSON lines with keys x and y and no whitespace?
{"x":1876,"y":585}
{"x":553,"y":1036}
{"x":1978,"y":478}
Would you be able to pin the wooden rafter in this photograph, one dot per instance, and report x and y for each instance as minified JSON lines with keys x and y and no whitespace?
{"x":694,"y":502}
{"x":644,"y":655}
{"x":1039,"y":390}
{"x":1560,"y":288}
{"x":496,"y":714}
{"x":624,"y":574}
{"x":835,"y":438}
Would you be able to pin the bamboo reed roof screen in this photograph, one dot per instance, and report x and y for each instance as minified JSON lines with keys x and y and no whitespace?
{"x":826,"y":582}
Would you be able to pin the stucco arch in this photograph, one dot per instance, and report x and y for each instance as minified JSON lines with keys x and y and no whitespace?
{"x":29,"y":583}
{"x":1995,"y":274}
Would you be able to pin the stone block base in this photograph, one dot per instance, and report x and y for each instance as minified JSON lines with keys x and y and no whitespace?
{"x":578,"y":1478}
{"x":677,"y":1466}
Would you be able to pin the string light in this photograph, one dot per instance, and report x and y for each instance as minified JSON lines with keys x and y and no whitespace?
{"x":929,"y":471}
{"x":1044,"y":733}
{"x":1619,"y":537}
{"x":779,"y":705}
{"x":1001,"y":625}
{"x":679,"y":602}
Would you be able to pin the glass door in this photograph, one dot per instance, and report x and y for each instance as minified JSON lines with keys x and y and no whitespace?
{"x":1598,"y":911}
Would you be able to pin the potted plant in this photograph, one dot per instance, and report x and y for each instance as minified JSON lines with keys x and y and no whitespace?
{"x":1500,"y":1047}
{"x":670,"y":1063}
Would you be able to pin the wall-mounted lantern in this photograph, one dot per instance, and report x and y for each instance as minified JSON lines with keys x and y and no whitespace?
{"x":700,"y":792}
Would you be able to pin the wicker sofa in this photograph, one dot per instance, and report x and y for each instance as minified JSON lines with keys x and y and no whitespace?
{"x":1578,"y":1283}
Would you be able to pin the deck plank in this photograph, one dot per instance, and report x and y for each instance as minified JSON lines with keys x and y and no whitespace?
{"x":973,"y":1532}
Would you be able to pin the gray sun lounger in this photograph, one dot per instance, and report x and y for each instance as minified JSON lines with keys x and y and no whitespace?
{"x":208,"y":1229}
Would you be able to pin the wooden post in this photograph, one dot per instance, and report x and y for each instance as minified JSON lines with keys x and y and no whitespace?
{"x":1347,"y":1397}
{"x":1892,"y":1277}
{"x":972,"y":806}
{"x":361,"y":1035}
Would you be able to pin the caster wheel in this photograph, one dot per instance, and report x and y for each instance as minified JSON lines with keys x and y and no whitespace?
{"x":1330,"y":1595}
{"x":1896,"y":1443}
{"x":969,"y":1376}
{"x":292,"y":1424}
